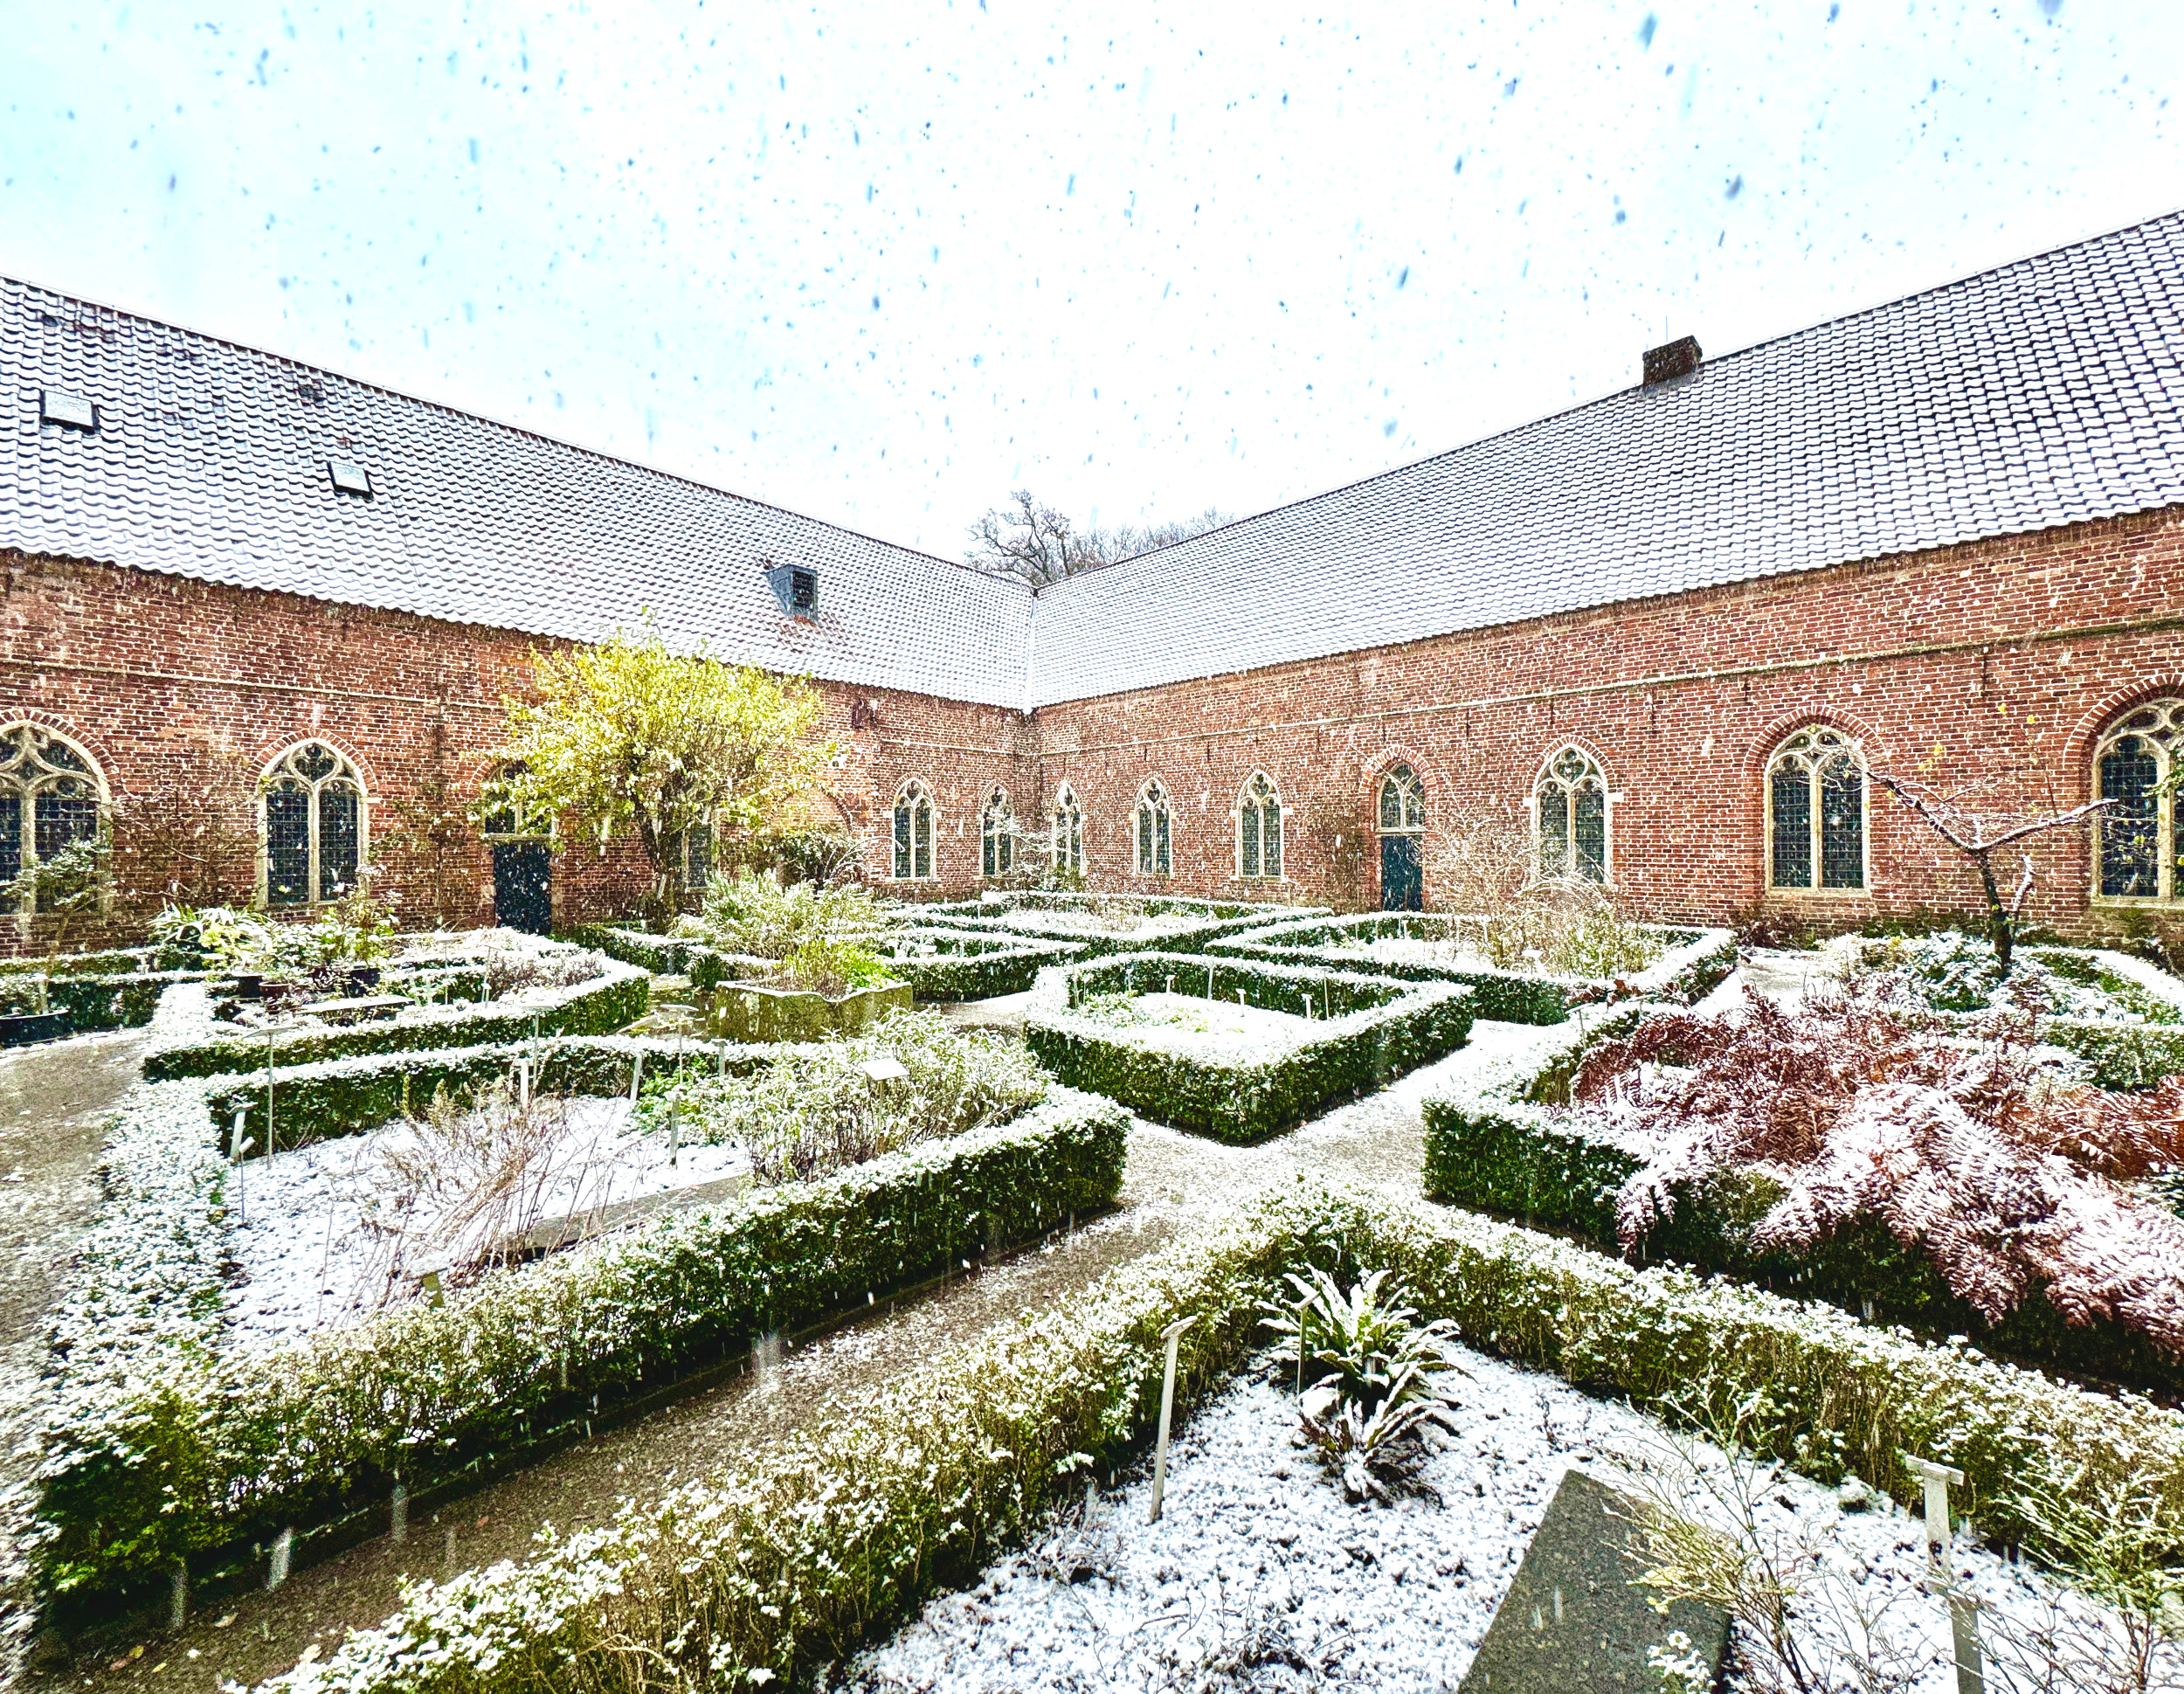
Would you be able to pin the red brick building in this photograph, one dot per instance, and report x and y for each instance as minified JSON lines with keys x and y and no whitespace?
{"x":1677,"y":628}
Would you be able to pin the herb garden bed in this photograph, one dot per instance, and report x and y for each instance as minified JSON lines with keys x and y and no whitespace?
{"x":172,"y":1444}
{"x":1105,"y":925}
{"x":917,"y":1484}
{"x":948,"y":965}
{"x":1424,"y":947}
{"x":1302,"y":1038}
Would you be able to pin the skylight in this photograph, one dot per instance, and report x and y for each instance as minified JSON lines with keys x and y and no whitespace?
{"x":350,"y":478}
{"x":70,"y":410}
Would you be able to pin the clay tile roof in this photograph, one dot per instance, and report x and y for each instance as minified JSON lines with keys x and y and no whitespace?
{"x":209,"y":461}
{"x":2043,"y":393}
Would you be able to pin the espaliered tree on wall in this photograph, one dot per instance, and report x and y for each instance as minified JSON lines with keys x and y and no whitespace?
{"x":628,"y":736}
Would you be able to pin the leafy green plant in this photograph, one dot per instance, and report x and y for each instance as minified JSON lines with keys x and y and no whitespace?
{"x":208,"y":937}
{"x":1383,"y":1381}
{"x":820,"y":1108}
{"x":831,"y":968}
{"x":758,"y":916}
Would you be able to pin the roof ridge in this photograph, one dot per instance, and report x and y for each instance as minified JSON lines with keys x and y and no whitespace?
{"x":1546,"y":417}
{"x":487,"y":418}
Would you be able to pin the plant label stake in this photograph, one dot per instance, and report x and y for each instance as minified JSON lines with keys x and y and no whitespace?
{"x":398,"y":1513}
{"x":722,"y":1047}
{"x":523,"y":1083}
{"x":270,"y":1142}
{"x":277,"y":1571}
{"x":178,"y":1596}
{"x":1964,"y":1624}
{"x":636,"y":1076}
{"x":1173,"y":1334}
{"x":674,"y":1130}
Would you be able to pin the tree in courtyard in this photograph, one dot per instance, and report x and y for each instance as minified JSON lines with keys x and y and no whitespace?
{"x":629,"y":736}
{"x":1042,"y":545}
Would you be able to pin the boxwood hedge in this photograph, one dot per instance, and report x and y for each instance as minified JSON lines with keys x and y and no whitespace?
{"x":167,"y":1447}
{"x":1495,"y":1147}
{"x":913,"y":1484}
{"x":1693,"y":962}
{"x":186,"y":1044}
{"x":966,"y":964}
{"x":95,"y":1001}
{"x":1193,"y":925}
{"x":1379,"y":1029}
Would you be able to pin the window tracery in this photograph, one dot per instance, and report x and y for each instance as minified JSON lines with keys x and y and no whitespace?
{"x":1816,"y":811}
{"x":1259,"y":828}
{"x":996,"y":830}
{"x":1570,"y":806}
{"x":1154,"y":852}
{"x":52,"y":793}
{"x":1066,"y":832}
{"x":313,"y":814}
{"x":2140,"y":836}
{"x":913,"y":833}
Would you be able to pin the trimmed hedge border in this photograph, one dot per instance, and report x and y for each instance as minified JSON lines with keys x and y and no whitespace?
{"x":1217,"y":918}
{"x":96,"y":1002}
{"x":195,"y":1046}
{"x":1386,"y":1029}
{"x":784,"y":1562}
{"x":1695,"y":962}
{"x":1495,"y":1147}
{"x":167,"y":1447}
{"x":970,"y":964}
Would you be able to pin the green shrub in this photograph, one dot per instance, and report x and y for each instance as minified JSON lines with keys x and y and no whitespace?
{"x":914,"y":1484}
{"x":960,"y":965}
{"x":167,"y":1447}
{"x":758,"y":916}
{"x":617,"y":996}
{"x":1379,"y":1029}
{"x":1686,"y":965}
{"x":1169,"y":924}
{"x":813,"y":1109}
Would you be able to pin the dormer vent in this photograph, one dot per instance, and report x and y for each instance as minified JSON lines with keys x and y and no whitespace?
{"x":1678,"y":358}
{"x":70,"y":410}
{"x":350,"y":477}
{"x":796,"y":587}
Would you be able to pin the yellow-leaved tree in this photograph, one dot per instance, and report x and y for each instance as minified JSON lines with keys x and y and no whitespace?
{"x":630,"y":735}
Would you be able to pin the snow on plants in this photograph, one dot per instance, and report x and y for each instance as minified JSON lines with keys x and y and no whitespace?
{"x":1988,"y":1153}
{"x":330,"y":1233}
{"x":1192,"y":1024}
{"x":1262,"y":1574}
{"x":1952,"y":971}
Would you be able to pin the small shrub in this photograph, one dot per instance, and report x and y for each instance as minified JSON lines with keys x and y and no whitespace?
{"x":1385,"y":1380}
{"x":757,"y":917}
{"x":1486,"y":865}
{"x":820,"y":1109}
{"x":831,"y":968}
{"x":208,"y":937}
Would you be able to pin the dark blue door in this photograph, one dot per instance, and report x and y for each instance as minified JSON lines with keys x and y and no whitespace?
{"x":524,"y":885}
{"x":1402,"y":880}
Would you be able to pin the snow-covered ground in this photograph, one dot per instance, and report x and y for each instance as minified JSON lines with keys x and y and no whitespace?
{"x":1189,"y":1023}
{"x":1261,"y":1575}
{"x":315,"y":1240}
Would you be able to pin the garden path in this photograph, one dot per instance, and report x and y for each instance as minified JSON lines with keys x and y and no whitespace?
{"x":53,"y":1102}
{"x":1173,"y":1180}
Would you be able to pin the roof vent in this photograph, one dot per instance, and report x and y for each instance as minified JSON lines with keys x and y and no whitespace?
{"x":69,"y":410}
{"x":796,"y":587}
{"x":1678,"y":358}
{"x":349,"y":478}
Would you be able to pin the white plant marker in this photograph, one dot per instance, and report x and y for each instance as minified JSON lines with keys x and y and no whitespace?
{"x":1964,"y":1624}
{"x":398,"y":1513}
{"x":277,"y":1571}
{"x":1173,"y":1334}
{"x":674,"y":1130}
{"x":523,"y":1083}
{"x":636,"y":1076}
{"x":271,"y":1144}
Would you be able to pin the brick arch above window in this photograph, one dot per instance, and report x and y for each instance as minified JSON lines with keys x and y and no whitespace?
{"x":2138,"y":839}
{"x":2094,"y":723}
{"x":1759,"y":751}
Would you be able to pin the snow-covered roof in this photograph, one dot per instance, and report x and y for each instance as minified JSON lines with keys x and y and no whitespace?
{"x":210,"y":460}
{"x":2045,"y":391}
{"x":2042,"y":393}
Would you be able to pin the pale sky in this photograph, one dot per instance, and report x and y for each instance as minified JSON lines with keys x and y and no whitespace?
{"x":883,"y":263}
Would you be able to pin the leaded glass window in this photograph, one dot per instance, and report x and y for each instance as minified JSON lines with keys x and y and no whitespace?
{"x":1816,"y":811}
{"x":2141,"y":836}
{"x":996,"y":830}
{"x":51,"y":794}
{"x":1571,"y":800}
{"x":314,"y":826}
{"x":1155,"y":854}
{"x":1066,"y":832}
{"x":697,"y":856}
{"x":913,"y":833}
{"x":1402,"y":802}
{"x":1259,"y":828}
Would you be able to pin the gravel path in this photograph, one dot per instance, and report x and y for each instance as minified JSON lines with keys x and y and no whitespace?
{"x":1172,"y":1180}
{"x":53,"y":1102}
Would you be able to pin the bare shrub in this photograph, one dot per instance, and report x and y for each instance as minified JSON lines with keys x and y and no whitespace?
{"x":1486,"y":865}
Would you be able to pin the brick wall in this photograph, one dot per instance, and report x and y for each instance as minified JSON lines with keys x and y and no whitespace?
{"x":1997,"y":661}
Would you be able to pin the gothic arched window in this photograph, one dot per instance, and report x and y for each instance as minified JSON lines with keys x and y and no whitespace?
{"x":1402,"y":802}
{"x":313,"y":817}
{"x":1259,"y":828}
{"x":1066,"y":832}
{"x":997,"y":830}
{"x":51,"y":794}
{"x":1155,"y":856}
{"x":1816,"y":811}
{"x":1569,"y":801}
{"x":2141,"y":836}
{"x":913,"y":833}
